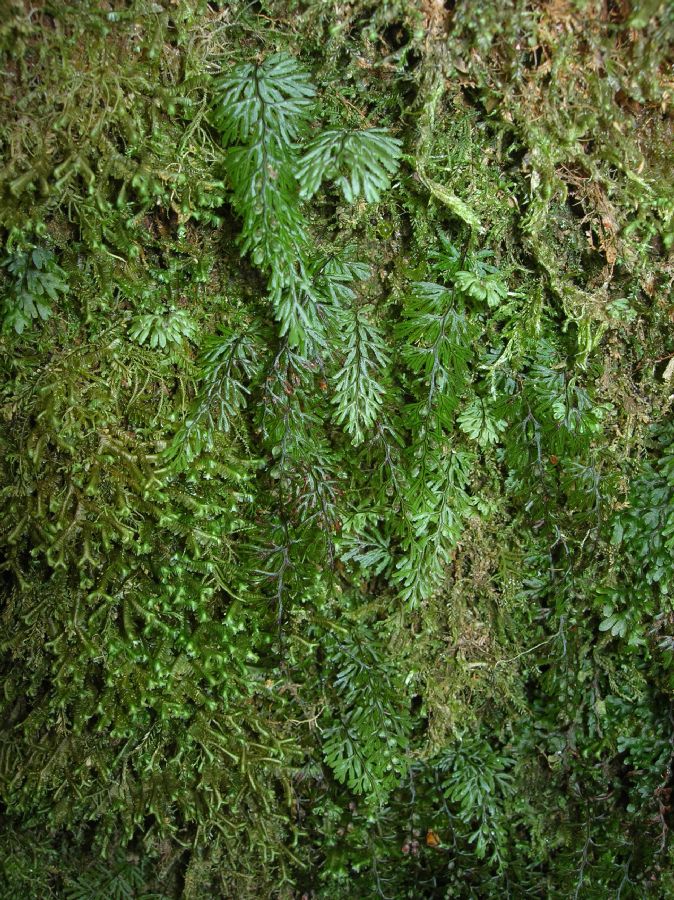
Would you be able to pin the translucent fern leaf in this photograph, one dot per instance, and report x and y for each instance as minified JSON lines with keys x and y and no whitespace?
{"x":368,"y":549}
{"x":358,"y":388}
{"x":229,"y":361}
{"x":439,"y":507}
{"x":265,"y":196}
{"x":260,"y":112}
{"x":35,"y":276}
{"x":366,"y":742}
{"x":482,"y":287}
{"x":162,"y":328}
{"x":333,"y":276}
{"x":478,"y":421}
{"x":437,"y":340}
{"x":361,"y":163}
{"x":275,"y":97}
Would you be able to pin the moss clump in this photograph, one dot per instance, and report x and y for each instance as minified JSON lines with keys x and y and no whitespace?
{"x":336,"y":457}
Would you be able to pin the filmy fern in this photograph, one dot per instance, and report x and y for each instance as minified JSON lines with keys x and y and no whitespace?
{"x":366,"y":730}
{"x":480,"y":423}
{"x":162,"y":328}
{"x":358,"y":389}
{"x":118,"y":879}
{"x":437,"y":343}
{"x":477,"y":782}
{"x":262,"y":113}
{"x":35,"y":279}
{"x":361,"y":163}
{"x":436,"y":340}
{"x":228,"y":363}
{"x":434,"y":525}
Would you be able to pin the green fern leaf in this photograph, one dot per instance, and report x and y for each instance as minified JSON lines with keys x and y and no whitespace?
{"x":361,"y":163}
{"x":358,"y":389}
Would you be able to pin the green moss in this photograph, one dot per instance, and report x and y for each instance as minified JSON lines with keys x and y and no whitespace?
{"x":336,"y":558}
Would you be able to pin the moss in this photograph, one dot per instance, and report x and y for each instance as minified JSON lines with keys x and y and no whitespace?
{"x":203,"y":566}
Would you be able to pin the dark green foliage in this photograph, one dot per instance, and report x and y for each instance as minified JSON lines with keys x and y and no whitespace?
{"x":360,"y":162}
{"x":34,"y":279}
{"x":365,"y":727}
{"x":337,"y":474}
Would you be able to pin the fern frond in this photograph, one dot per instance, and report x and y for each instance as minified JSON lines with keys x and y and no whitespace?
{"x":359,"y":392}
{"x":273,"y":99}
{"x":333,"y":276}
{"x":436,"y":338}
{"x":366,"y":740}
{"x":162,"y":328}
{"x":480,"y":423}
{"x":266,"y":195}
{"x":438,"y":509}
{"x":361,"y":163}
{"x":228,"y":363}
{"x":35,"y":278}
{"x":260,"y":112}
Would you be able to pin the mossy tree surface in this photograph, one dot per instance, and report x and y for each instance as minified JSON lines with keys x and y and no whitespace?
{"x":337,"y":461}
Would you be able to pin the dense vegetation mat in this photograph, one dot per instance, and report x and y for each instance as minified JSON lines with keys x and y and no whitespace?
{"x":337,"y":455}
